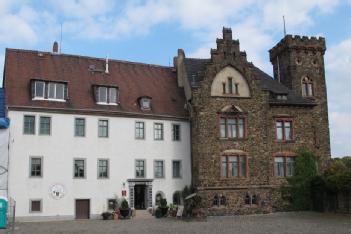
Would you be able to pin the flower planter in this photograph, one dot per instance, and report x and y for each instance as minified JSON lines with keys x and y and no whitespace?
{"x":124,"y":213}
{"x":164,"y":211}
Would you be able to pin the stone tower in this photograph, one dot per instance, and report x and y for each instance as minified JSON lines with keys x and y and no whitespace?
{"x":298,"y":63}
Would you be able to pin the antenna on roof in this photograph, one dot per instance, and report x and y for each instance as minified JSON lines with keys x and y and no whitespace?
{"x":61,"y":38}
{"x":106,"y":65}
{"x":284,"y":25}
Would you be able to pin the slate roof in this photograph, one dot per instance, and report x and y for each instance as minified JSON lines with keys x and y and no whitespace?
{"x":196,"y":67}
{"x":133,"y":79}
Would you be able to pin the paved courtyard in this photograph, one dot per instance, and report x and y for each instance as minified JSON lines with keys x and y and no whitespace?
{"x":291,"y":222}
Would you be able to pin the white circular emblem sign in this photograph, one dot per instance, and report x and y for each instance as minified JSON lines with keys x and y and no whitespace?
{"x":57,"y":191}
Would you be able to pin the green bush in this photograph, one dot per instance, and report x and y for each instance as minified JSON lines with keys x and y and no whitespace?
{"x":124,"y":204}
{"x":300,"y":184}
{"x":163,"y":203}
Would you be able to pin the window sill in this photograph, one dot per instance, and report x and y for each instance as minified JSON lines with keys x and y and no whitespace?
{"x":234,"y":178}
{"x":48,"y":99}
{"x":232,"y":139}
{"x":107,"y":104}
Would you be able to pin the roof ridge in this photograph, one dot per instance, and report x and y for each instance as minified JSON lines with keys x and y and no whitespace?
{"x":90,"y":57}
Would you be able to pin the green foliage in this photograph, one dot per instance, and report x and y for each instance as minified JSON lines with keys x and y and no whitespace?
{"x":187,"y":191}
{"x":300,"y":184}
{"x":158,"y":213}
{"x":124,"y":204}
{"x":163,"y":203}
{"x":338,"y":175}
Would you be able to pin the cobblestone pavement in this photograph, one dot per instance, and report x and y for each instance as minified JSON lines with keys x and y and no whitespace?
{"x":290,"y":222}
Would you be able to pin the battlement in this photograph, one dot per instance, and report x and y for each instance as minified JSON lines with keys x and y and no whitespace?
{"x":298,"y":43}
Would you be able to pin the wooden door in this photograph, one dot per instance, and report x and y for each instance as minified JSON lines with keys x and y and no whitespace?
{"x":82,"y":208}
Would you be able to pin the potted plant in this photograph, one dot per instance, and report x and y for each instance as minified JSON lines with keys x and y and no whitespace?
{"x":158,"y":212}
{"x":173,"y":210}
{"x":163,"y":206}
{"x":124,"y":208}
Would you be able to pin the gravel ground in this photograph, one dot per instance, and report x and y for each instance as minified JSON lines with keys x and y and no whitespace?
{"x":290,"y":222}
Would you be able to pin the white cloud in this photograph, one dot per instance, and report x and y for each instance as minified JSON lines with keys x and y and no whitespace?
{"x":2,"y":60}
{"x":338,"y":75}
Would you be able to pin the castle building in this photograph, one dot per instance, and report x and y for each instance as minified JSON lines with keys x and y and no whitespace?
{"x":86,"y":130}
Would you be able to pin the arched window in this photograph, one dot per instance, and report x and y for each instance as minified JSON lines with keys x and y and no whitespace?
{"x":307,"y":87}
{"x":215,"y":201}
{"x":254,"y":199}
{"x":223,"y":201}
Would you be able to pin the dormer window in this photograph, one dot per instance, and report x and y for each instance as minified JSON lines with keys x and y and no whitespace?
{"x":49,"y":90}
{"x":39,"y":90}
{"x":282,"y":97}
{"x":106,"y":95}
{"x":145,"y":103}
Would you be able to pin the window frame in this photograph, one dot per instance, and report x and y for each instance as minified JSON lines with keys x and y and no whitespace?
{"x":283,"y":120}
{"x":179,"y":132}
{"x":34,"y":125}
{"x":108,"y":203}
{"x":107,"y":132}
{"x":180,"y":169}
{"x":50,"y":125}
{"x":35,"y":90}
{"x":162,"y":131}
{"x":107,"y":168}
{"x":307,"y":87}
{"x":135,"y":168}
{"x":285,"y":155}
{"x":75,"y":126}
{"x":31,"y":207}
{"x":41,"y":167}
{"x":232,"y":116}
{"x":85,"y":168}
{"x":135,"y":130}
{"x":163,"y":176}
{"x":239,"y":162}
{"x":107,"y":96}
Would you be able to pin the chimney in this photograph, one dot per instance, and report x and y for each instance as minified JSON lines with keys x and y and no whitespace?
{"x":106,"y":66}
{"x":55,"y":48}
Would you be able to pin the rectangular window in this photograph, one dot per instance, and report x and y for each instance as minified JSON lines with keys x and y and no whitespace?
{"x":39,"y":91}
{"x":56,"y":91}
{"x":233,"y":166}
{"x":230,"y":85}
{"x":107,"y":95}
{"x":159,"y":169}
{"x":103,"y":170}
{"x":79,"y":168}
{"x":290,"y":166}
{"x":284,"y":130}
{"x":176,"y":132}
{"x":79,"y":127}
{"x":112,"y":204}
{"x":35,"y":205}
{"x":103,"y":128}
{"x":139,"y":130}
{"x":279,"y":166}
{"x":29,"y":124}
{"x":177,"y":169}
{"x":102,"y":95}
{"x":232,"y":127}
{"x":45,"y":125}
{"x":36,"y":167}
{"x":140,"y":168}
{"x":236,"y":88}
{"x":158,"y":131}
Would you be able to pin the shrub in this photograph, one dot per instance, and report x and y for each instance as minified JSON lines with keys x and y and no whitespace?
{"x":124,"y":204}
{"x":300,"y":184}
{"x":163,"y":203}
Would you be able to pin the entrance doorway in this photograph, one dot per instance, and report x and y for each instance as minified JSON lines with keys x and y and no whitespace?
{"x":82,"y":208}
{"x":140,"y":197}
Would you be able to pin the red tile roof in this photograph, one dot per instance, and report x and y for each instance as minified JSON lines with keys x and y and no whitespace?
{"x":133,"y":79}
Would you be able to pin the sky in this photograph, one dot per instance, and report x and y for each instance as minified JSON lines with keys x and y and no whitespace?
{"x":152,"y":31}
